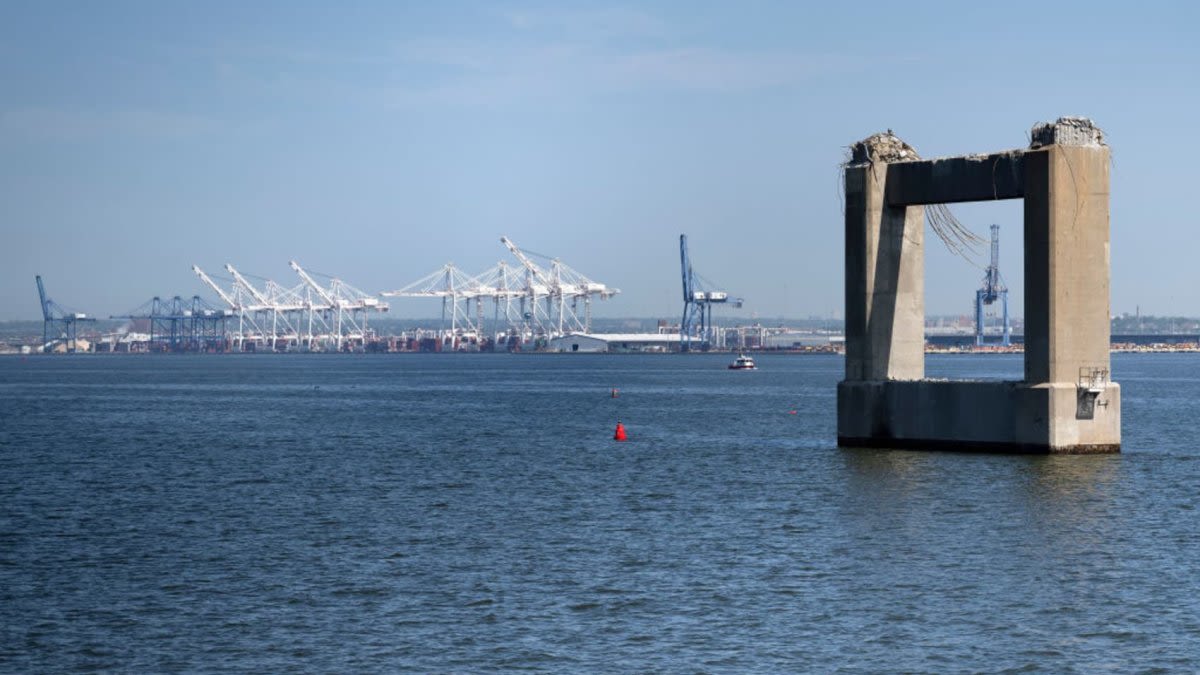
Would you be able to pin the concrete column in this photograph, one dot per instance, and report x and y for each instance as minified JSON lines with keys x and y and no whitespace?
{"x":1066,"y":262}
{"x":885,"y":281}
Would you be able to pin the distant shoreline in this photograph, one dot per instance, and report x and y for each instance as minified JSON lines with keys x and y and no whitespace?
{"x":1187,"y":348}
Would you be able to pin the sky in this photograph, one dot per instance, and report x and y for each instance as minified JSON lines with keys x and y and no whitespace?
{"x":377,"y":141}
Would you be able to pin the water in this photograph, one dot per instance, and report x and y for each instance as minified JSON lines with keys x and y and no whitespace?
{"x":445,"y":513}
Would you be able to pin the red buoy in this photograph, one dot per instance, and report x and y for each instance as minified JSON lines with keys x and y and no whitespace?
{"x":614,"y":392}
{"x":619,"y":435}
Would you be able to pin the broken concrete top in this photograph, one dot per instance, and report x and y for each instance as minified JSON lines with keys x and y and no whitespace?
{"x":887,"y":147}
{"x":1066,"y":131}
{"x":881,"y":147}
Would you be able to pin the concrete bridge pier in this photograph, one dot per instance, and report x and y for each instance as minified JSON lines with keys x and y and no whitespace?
{"x":1066,"y":402}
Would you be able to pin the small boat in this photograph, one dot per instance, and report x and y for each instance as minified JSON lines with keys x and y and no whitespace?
{"x":743,"y":362}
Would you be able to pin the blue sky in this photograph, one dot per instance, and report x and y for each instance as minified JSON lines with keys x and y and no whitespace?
{"x":378,"y":141}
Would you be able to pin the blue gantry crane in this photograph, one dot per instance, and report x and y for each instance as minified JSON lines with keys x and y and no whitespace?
{"x":181,"y":324}
{"x":58,"y":323}
{"x":993,"y":290}
{"x":696,"y":325}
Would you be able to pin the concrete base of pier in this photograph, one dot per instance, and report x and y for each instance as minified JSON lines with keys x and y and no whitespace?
{"x":980,"y":416}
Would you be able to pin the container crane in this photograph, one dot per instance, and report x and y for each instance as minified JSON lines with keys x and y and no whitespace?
{"x":350,"y":307}
{"x":540,"y":283}
{"x":993,"y":290}
{"x":274,"y":303}
{"x":696,"y":324}
{"x":454,"y":288}
{"x":326,"y":297}
{"x":503,"y":285}
{"x":181,"y":324}
{"x":243,"y":310}
{"x":556,"y":285}
{"x":56,"y":320}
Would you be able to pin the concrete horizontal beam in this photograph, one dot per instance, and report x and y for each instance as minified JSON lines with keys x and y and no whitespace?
{"x":976,"y":178}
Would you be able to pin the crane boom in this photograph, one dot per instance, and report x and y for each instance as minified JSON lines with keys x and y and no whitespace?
{"x":992,"y":282}
{"x":247,"y":285}
{"x":313,"y":284}
{"x":686,"y":264}
{"x":996,"y":247}
{"x":42,"y":297}
{"x":213,"y":285}
{"x":529,"y":264}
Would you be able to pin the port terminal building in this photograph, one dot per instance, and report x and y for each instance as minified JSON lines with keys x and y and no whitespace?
{"x":595,"y":343}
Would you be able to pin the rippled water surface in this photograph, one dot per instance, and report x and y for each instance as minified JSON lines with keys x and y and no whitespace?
{"x":464,"y":513}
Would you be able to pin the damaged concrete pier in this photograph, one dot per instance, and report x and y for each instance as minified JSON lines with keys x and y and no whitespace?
{"x":1066,"y":402}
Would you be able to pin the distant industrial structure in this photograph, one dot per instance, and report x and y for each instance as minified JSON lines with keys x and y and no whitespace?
{"x":993,"y":289}
{"x":536,"y":303}
{"x":583,"y":343}
{"x":60,"y":326}
{"x":307,"y":317}
{"x":696,"y":328}
{"x":530,"y":303}
{"x":178,"y":325}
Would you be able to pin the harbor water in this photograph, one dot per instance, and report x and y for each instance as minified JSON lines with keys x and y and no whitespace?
{"x":467,"y":513}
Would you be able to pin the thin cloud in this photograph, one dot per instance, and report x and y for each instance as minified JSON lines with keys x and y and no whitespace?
{"x":471,"y":73}
{"x":65,"y":124}
{"x":706,"y":69}
{"x":597,"y":23}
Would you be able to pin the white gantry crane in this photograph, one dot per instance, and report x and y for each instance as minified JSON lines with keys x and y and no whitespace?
{"x":280,"y":310}
{"x":533,"y":300}
{"x":456,"y":291}
{"x":265,"y":318}
{"x":246,"y":310}
{"x":558,"y":286}
{"x":506,"y":287}
{"x":348,"y":307}
{"x":530,"y":300}
{"x":308,"y":316}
